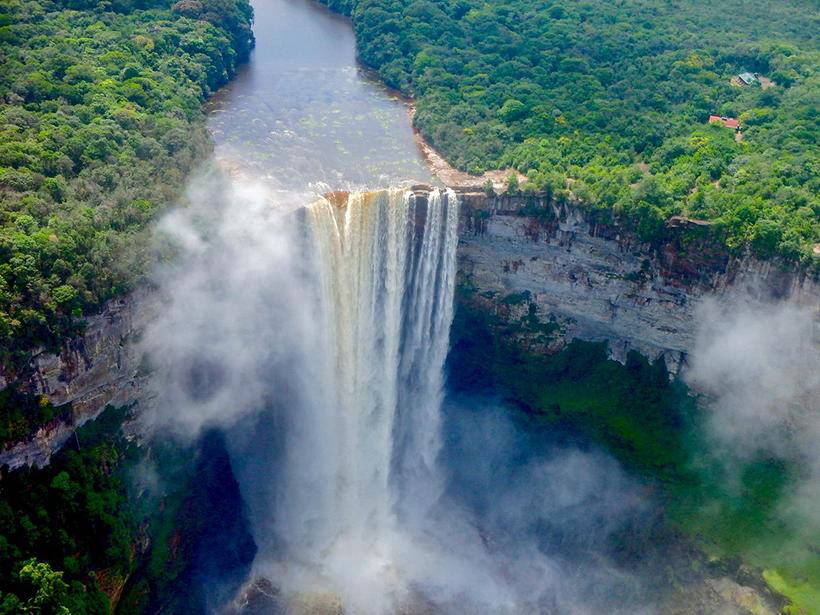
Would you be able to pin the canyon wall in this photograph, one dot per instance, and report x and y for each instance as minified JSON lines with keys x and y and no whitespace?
{"x":549,"y":273}
{"x":103,"y":366}
{"x":528,"y":260}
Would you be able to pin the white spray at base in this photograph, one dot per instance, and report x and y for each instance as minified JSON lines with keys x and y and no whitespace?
{"x":314,"y":337}
{"x":385,"y":265}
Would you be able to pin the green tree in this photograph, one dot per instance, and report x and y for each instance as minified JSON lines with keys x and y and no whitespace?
{"x":43,"y":591}
{"x":488,"y":188}
{"x":512,"y":183}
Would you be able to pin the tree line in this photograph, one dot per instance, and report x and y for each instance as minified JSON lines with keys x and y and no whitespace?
{"x":100,"y":122}
{"x":608,"y":103}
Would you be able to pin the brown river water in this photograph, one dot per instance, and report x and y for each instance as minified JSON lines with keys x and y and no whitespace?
{"x":303,"y":114}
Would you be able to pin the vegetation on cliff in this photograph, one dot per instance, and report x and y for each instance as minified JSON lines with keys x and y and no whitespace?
{"x":22,"y":415}
{"x":65,"y":531}
{"x":200,"y":547}
{"x":611,"y":100}
{"x":108,"y":523}
{"x":654,"y":429}
{"x":100,"y":121}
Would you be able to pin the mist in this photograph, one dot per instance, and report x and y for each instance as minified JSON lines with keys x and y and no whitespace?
{"x":487,"y":517}
{"x":530,"y":522}
{"x":758,"y":368}
{"x":219,"y":349}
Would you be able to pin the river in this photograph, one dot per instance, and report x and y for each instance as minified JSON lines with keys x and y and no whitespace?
{"x":304,"y":113}
{"x":317,"y":342}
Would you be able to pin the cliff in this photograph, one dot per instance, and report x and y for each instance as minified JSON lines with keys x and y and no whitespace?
{"x":551,"y":271}
{"x":528,"y":260}
{"x":99,"y":368}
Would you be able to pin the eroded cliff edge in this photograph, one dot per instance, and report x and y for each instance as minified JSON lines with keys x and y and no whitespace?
{"x":103,"y":366}
{"x":552,"y":273}
{"x":548,"y":272}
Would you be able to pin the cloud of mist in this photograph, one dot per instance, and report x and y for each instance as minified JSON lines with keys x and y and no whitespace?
{"x":526,"y":524}
{"x":759,"y":365}
{"x":218,"y":348}
{"x":522,"y":526}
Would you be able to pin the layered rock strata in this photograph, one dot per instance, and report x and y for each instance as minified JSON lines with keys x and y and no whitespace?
{"x":103,"y":366}
{"x":523,"y":259}
{"x":528,"y":258}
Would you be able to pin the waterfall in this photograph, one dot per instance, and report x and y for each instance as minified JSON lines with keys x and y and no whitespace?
{"x":384,"y":265}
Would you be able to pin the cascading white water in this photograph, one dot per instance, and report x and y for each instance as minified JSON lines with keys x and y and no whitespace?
{"x":385,"y":269}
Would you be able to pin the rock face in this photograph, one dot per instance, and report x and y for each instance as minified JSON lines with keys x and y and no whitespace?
{"x":526,"y":257}
{"x":101,"y":367}
{"x":519,"y":257}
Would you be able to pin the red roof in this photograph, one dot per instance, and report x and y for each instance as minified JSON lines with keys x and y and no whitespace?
{"x":726,"y":121}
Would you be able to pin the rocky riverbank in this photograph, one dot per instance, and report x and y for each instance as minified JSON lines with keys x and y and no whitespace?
{"x":452,"y":177}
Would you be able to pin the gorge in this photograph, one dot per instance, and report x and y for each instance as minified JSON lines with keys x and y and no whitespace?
{"x":357,"y":390}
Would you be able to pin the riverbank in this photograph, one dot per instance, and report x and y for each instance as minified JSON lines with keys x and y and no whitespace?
{"x":451,"y":176}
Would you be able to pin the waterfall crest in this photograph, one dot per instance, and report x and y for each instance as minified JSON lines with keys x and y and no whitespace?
{"x":384,"y":266}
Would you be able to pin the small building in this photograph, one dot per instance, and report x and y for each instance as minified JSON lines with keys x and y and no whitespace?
{"x":729,"y":122}
{"x":747,"y":78}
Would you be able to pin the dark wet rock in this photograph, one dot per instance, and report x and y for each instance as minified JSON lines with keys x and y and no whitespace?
{"x":211,"y":548}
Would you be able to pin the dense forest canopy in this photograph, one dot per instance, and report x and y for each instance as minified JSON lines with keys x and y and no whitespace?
{"x":60,"y":524}
{"x":100,"y":121}
{"x":612,"y":100}
{"x":109,"y":526}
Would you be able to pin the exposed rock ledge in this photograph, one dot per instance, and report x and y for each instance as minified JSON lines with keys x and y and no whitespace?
{"x":595,"y":281}
{"x":101,"y":367}
{"x":598,"y":282}
{"x":448,"y":174}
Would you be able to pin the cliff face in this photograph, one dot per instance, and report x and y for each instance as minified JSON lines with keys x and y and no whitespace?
{"x":99,"y":368}
{"x":561,"y":274}
{"x":527,"y":260}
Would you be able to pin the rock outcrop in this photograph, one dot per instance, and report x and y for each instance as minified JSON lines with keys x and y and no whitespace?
{"x":519,"y":257}
{"x":101,"y":367}
{"x":525,"y":257}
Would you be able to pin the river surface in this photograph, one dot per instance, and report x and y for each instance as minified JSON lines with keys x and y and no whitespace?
{"x":302,"y":113}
